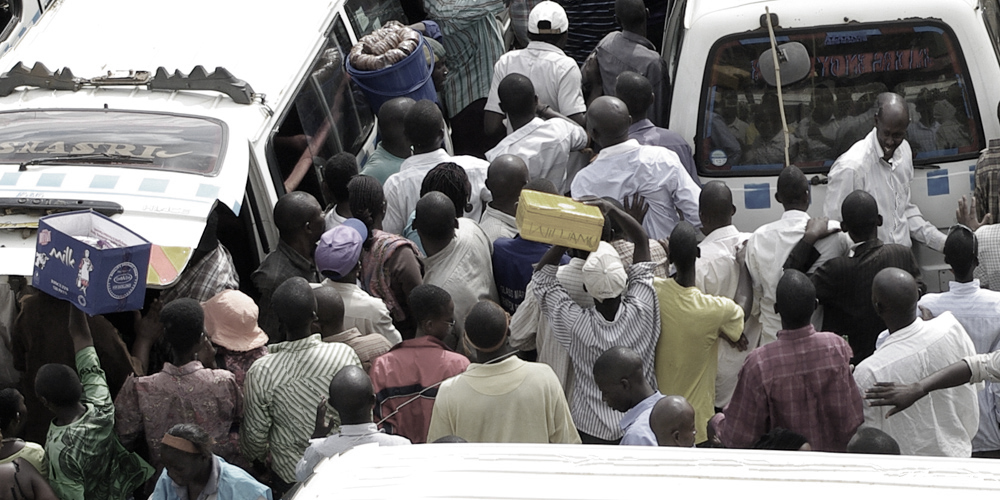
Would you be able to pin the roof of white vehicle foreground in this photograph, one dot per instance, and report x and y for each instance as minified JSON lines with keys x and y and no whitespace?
{"x":520,"y":471}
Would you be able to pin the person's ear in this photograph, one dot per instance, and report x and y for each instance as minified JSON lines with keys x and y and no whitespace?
{"x":879,"y":220}
{"x":697,"y":252}
{"x":625,"y":383}
{"x":845,"y":227}
{"x":456,"y":223}
{"x":676,"y":436}
{"x":733,"y":207}
{"x":777,"y":197}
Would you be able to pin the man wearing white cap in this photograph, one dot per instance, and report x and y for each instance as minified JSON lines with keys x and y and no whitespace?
{"x":556,"y":76}
{"x":626,"y":314}
{"x":338,"y":259}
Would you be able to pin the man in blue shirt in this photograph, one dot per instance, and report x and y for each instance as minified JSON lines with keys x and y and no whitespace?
{"x":619,"y":376}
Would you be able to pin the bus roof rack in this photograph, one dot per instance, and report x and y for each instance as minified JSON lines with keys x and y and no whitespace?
{"x":220,"y":80}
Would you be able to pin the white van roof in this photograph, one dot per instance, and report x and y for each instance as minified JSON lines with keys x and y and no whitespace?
{"x":268,"y":45}
{"x":519,"y":471}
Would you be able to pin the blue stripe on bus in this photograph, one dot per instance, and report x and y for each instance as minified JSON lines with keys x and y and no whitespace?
{"x":757,"y":196}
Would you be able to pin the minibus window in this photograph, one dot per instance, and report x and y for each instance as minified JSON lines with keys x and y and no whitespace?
{"x":833,"y":107}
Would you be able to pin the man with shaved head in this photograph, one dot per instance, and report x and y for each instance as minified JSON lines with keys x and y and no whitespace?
{"x":691,"y":324}
{"x":802,"y":382}
{"x":352,"y":395}
{"x":844,"y":284}
{"x":299,"y":218}
{"x":882,"y":164}
{"x":978,"y":310}
{"x":541,"y":137}
{"x":628,"y":50}
{"x":943,"y":423}
{"x":501,"y":399}
{"x":771,"y":244}
{"x":619,"y":376}
{"x":393,"y":148}
{"x":721,"y":270}
{"x":623,"y":169}
{"x":505,"y":179}
{"x":672,"y":422}
{"x":458,"y":254}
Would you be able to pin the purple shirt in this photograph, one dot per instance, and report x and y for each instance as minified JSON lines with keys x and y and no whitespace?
{"x":803,"y":383}
{"x":650,"y":135}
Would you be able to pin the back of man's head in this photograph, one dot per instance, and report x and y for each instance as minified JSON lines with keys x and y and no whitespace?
{"x":859,"y":212}
{"x":352,"y":395}
{"x":961,"y":250}
{"x":715,"y":204}
{"x":895,"y":294}
{"x":183,"y":324}
{"x":872,"y":441}
{"x":329,"y":310}
{"x":390,"y":120}
{"x":631,"y":15}
{"x":424,"y":125}
{"x":608,"y":120}
{"x":684,"y":245}
{"x":292,"y":212}
{"x":448,"y":178}
{"x":795,"y":299}
{"x":58,"y":385}
{"x":506,"y":177}
{"x":486,"y":326}
{"x":337,"y":172}
{"x":793,"y":188}
{"x":517,"y":95}
{"x":428,"y":302}
{"x":634,"y":89}
{"x":294,"y":304}
{"x":672,"y":422}
{"x":435,"y":217}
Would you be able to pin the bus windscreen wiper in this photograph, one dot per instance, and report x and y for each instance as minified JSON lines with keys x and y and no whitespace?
{"x":86,"y":159}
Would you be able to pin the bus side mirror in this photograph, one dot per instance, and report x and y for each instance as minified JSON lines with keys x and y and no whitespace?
{"x":793,"y":60}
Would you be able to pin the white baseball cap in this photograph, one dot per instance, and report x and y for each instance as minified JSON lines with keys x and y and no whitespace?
{"x":549,"y":12}
{"x":603,"y":273}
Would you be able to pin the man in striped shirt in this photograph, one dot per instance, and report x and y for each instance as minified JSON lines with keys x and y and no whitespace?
{"x":626,"y":315}
{"x":283,"y":388}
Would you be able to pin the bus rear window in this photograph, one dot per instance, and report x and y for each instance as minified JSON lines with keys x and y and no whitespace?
{"x":833,"y":107}
{"x":174,"y":143}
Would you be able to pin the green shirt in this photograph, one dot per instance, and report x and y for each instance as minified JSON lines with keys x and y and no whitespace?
{"x":381,"y":164}
{"x":86,"y":460}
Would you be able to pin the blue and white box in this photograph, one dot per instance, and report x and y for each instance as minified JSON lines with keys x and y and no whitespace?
{"x":92,"y":261}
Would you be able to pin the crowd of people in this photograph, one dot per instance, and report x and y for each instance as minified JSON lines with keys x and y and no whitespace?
{"x":411,"y":310}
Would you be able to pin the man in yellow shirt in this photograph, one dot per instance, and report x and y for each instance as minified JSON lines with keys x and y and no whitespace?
{"x":690,"y":325}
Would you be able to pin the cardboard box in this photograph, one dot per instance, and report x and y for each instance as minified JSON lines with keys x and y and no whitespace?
{"x":103,"y":273}
{"x":559,"y":220}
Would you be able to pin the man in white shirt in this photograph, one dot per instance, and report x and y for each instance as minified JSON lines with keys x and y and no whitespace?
{"x":882,"y":165}
{"x":459,"y":254}
{"x":542,"y":138}
{"x":769,"y":246}
{"x":720,"y":270}
{"x":944,"y":423}
{"x":978,"y":310}
{"x":556,"y":76}
{"x":352,"y":395}
{"x":424,"y":128}
{"x":505,"y":179}
{"x":624,"y":168}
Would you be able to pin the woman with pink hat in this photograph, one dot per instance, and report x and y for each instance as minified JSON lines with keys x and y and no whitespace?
{"x":231,"y":325}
